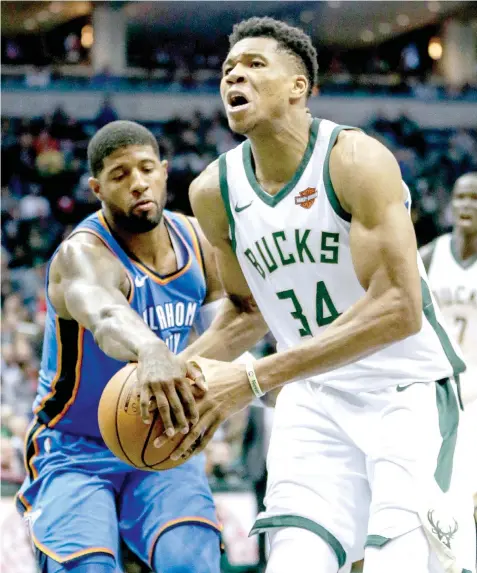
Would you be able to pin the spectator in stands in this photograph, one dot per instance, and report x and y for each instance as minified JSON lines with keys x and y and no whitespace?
{"x":106,"y":114}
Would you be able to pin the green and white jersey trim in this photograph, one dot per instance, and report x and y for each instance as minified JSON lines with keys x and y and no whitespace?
{"x":293,"y":248}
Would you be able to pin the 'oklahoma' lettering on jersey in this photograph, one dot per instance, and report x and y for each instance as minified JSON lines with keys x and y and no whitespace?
{"x":163,"y":317}
{"x":298,"y":265}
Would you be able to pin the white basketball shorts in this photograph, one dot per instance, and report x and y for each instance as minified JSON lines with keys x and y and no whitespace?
{"x":362,"y":469}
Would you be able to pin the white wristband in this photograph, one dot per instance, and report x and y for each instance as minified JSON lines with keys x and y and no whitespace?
{"x":252,"y":378}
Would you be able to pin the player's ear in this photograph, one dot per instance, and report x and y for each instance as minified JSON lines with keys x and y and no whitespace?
{"x":299,"y":87}
{"x":95,"y":187}
{"x":165,"y":165}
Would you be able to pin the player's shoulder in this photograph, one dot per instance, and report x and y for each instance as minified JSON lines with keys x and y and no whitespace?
{"x":364,"y":174}
{"x":354,"y":148}
{"x":428,"y":251}
{"x":207,"y":183}
{"x":78,"y":249}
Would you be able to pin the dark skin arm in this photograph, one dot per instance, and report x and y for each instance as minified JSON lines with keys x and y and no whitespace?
{"x":89,"y":285}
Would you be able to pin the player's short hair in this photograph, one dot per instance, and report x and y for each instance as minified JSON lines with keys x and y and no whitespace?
{"x":293,"y":40}
{"x":113,"y":136}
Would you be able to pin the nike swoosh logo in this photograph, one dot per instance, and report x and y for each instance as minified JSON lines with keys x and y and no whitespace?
{"x":402,"y":388}
{"x":240,"y":209}
{"x":139,"y":281}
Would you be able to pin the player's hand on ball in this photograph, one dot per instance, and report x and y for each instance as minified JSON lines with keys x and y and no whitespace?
{"x":228,"y":391}
{"x":163,"y":383}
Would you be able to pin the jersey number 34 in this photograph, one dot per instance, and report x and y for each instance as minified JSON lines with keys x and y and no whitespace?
{"x":325,"y":309}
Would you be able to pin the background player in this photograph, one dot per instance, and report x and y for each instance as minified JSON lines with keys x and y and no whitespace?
{"x":126,"y":285}
{"x":327,"y":250}
{"x":450,"y":261}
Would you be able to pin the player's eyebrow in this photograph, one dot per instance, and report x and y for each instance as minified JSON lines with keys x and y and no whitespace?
{"x":114,"y":168}
{"x":230,"y":60}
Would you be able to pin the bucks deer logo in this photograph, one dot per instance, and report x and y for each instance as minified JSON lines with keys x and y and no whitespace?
{"x":444,"y":535}
{"x":306,"y":198}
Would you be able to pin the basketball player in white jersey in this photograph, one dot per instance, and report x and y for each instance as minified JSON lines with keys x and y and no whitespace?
{"x":314,"y":241}
{"x":451,"y":264}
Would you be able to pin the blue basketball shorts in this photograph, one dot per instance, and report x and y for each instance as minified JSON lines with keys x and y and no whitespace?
{"x":78,"y":498}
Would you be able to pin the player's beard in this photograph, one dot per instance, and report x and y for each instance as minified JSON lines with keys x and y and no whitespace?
{"x":137,"y":223}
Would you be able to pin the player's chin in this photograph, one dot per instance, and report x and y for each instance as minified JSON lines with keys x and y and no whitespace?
{"x":469,"y":223}
{"x":240,"y":125}
{"x":144,"y":222}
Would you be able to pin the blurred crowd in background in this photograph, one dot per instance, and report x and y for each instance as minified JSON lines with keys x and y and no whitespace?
{"x":164,"y":62}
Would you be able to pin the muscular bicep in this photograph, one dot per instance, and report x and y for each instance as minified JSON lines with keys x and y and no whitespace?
{"x":384,"y":254}
{"x":382,"y":240}
{"x":85,"y":281}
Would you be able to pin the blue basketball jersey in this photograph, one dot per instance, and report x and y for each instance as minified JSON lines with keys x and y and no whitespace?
{"x":74,"y":370}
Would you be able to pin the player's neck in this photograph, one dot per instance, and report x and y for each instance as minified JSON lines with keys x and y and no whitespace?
{"x":465,"y":244}
{"x":278,"y":149}
{"x":151,"y":248}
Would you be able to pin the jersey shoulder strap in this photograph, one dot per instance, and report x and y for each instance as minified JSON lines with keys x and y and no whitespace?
{"x":189,"y":233}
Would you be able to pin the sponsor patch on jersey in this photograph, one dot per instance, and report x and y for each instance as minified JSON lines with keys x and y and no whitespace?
{"x":306,"y":198}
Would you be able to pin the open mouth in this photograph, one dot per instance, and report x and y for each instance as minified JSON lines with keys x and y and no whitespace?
{"x":237,"y":101}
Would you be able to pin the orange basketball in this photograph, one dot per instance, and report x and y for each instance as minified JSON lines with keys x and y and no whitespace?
{"x":123,"y":430}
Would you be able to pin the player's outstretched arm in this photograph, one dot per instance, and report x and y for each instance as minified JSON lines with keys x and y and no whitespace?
{"x":87,"y":284}
{"x":238,"y":324}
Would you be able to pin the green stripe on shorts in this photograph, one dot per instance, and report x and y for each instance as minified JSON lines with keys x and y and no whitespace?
{"x":448,"y":410}
{"x":376,"y":541}
{"x":279,"y":521}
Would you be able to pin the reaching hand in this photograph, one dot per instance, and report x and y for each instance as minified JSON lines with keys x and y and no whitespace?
{"x":228,"y":391}
{"x":162,"y":378}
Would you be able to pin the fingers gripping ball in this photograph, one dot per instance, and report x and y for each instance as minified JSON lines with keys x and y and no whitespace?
{"x":123,"y":430}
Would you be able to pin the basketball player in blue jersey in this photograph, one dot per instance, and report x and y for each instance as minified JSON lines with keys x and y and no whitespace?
{"x":127,"y":285}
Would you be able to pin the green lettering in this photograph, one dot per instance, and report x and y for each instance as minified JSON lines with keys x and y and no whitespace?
{"x":290,"y":258}
{"x":323,"y":299}
{"x":329,"y":247}
{"x":301,"y":245}
{"x":271,"y":265}
{"x":251,"y":257}
{"x":297,"y":312}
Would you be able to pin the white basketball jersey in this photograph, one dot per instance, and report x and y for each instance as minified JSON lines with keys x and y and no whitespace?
{"x":293,"y":248}
{"x":454,"y":285}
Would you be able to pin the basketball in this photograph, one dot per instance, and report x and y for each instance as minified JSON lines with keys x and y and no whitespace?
{"x":123,"y":430}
